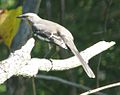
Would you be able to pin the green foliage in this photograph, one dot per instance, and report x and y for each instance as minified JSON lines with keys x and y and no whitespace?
{"x":8,"y":4}
{"x":2,"y":88}
{"x":4,"y":51}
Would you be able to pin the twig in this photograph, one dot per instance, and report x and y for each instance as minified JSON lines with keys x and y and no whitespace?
{"x":66,"y":82}
{"x":101,"y":88}
{"x":33,"y":86}
{"x":98,"y":70}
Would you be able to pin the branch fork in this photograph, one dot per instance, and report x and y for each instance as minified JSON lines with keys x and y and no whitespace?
{"x":21,"y":63}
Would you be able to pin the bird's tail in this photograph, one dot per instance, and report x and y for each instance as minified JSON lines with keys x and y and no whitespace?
{"x":86,"y":67}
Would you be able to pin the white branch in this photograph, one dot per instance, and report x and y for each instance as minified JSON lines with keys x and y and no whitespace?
{"x":101,"y":88}
{"x":21,"y":63}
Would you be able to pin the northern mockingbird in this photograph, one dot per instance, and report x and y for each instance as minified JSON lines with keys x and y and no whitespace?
{"x":55,"y":33}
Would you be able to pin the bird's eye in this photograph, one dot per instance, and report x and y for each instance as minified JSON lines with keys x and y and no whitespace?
{"x":29,"y":17}
{"x":24,"y":16}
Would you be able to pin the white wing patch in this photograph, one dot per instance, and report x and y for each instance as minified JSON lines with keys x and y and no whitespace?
{"x":42,"y":38}
{"x":63,"y":45}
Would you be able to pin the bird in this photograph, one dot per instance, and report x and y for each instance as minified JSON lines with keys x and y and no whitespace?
{"x":55,"y":33}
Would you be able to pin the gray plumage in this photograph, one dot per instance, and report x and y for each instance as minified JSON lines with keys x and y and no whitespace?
{"x":55,"y":33}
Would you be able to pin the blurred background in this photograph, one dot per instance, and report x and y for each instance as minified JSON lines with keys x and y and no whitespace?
{"x":90,"y":21}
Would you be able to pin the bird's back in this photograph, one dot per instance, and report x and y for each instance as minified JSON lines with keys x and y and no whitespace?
{"x":55,"y":27}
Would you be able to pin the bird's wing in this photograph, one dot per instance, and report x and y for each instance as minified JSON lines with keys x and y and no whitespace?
{"x":48,"y":34}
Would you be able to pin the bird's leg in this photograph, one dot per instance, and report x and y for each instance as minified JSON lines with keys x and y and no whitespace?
{"x":50,"y":52}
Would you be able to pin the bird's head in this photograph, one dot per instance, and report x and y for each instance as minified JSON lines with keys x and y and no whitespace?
{"x":31,"y":17}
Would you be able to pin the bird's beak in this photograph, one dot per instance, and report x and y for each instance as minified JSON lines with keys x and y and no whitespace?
{"x":22,"y":16}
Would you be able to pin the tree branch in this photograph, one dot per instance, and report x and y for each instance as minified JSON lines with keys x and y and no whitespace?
{"x":46,"y":77}
{"x":21,"y":63}
{"x":101,"y":88}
